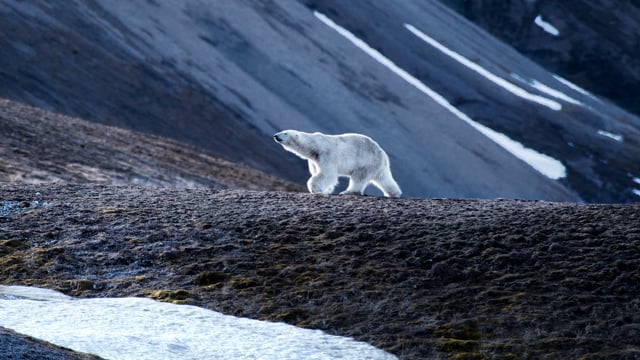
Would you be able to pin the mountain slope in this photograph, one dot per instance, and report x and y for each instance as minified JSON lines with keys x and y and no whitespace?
{"x":226,"y":76}
{"x":423,"y":279}
{"x":597,"y":142}
{"x":75,"y":58}
{"x":595,"y":44}
{"x":43,"y":147}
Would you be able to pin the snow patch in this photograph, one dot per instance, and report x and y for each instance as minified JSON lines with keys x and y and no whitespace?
{"x":139,"y":328}
{"x":545,"y":164}
{"x":510,"y":87}
{"x":616,"y":137}
{"x":10,"y":208}
{"x":553,"y":92}
{"x":637,"y":181}
{"x":574,"y":87}
{"x":546,"y":26}
{"x":546,"y":89}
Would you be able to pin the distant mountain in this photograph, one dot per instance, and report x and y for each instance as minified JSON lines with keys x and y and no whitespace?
{"x":40,"y":147}
{"x":595,"y":43}
{"x":225,"y":76}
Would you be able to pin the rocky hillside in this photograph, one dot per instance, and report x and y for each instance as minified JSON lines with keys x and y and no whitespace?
{"x":594,"y":45}
{"x":500,"y":88}
{"x":41,"y":147}
{"x":420,"y":278}
{"x":14,"y":346}
{"x":225,"y":76}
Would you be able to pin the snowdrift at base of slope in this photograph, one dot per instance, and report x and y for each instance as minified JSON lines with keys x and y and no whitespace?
{"x":140,"y":328}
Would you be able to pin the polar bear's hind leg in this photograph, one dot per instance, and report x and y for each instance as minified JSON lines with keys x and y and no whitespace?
{"x":385,"y":182}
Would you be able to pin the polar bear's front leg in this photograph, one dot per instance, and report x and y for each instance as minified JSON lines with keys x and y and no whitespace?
{"x":322,"y":183}
{"x":358,"y":181}
{"x":313,"y":168}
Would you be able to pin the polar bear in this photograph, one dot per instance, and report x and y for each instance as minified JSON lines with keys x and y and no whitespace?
{"x":330,"y":156}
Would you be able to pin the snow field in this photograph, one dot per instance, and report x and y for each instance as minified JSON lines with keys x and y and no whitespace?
{"x":140,"y":328}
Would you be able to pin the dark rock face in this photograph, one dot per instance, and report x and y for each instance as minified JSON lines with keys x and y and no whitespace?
{"x":225,"y":76}
{"x":423,"y":279}
{"x":14,"y":346}
{"x":597,"y":47}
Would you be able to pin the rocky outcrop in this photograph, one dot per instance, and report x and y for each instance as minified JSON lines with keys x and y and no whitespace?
{"x":14,"y":346}
{"x":41,"y":147}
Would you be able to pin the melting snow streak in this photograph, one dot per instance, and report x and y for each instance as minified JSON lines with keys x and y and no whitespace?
{"x":545,"y":164}
{"x":574,"y":86}
{"x":546,"y":89}
{"x":515,"y":90}
{"x":553,"y":92}
{"x":636,"y":191}
{"x":546,"y":26}
{"x":616,"y":137}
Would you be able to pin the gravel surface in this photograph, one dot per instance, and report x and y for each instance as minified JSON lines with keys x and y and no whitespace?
{"x":434,"y":278}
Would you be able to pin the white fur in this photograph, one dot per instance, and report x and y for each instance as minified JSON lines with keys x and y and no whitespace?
{"x":330,"y":156}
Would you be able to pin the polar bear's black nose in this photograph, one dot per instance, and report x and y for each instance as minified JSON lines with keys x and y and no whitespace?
{"x":281,"y":136}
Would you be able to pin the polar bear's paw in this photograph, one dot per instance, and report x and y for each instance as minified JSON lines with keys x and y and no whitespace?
{"x":346,"y":192}
{"x":319,"y":184}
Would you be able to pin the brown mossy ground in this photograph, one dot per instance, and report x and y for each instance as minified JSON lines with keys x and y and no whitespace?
{"x":465,"y":279}
{"x":42,"y":147}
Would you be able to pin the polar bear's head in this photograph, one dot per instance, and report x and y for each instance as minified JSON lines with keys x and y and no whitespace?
{"x":292,"y":138}
{"x":303,"y":144}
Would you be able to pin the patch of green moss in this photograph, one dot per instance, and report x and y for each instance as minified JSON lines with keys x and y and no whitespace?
{"x":82,"y":285}
{"x":460,"y":340}
{"x":469,"y":356}
{"x":292,"y":316}
{"x":243,"y":283}
{"x":172,"y":296}
{"x":209,"y":278}
{"x":460,"y":331}
{"x":457,"y":345}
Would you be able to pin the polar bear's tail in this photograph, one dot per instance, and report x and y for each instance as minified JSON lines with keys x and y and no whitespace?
{"x":385,"y":182}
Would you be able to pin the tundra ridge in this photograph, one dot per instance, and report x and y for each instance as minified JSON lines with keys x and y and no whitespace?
{"x":420,"y":278}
